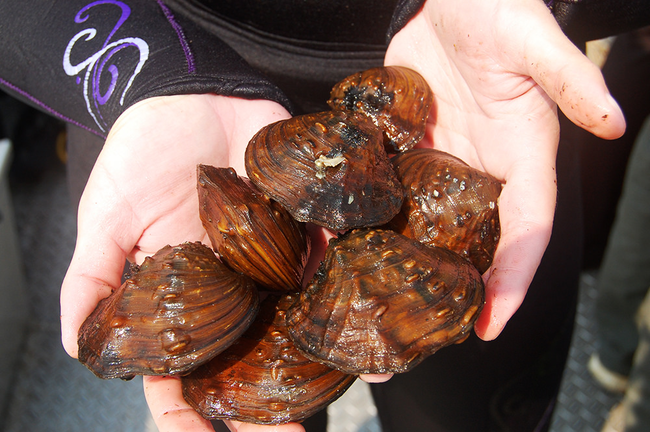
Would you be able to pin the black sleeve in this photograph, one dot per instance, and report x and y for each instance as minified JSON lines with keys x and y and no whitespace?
{"x":404,"y":11}
{"x":581,"y":20}
{"x":585,"y":20}
{"x":88,"y":61}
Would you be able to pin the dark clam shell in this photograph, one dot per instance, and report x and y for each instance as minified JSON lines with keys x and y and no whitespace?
{"x":329,"y":168}
{"x":179,"y":309}
{"x":263,"y":378}
{"x":381,"y":303}
{"x":397,"y":99}
{"x":448,"y":204}
{"x":251,"y":233}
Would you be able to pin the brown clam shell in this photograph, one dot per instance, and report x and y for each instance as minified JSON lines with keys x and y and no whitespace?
{"x":263,"y":378}
{"x":179,"y":309}
{"x":381,"y":303}
{"x":251,"y":233}
{"x":329,"y":168}
{"x":448,"y":204}
{"x":397,"y":99}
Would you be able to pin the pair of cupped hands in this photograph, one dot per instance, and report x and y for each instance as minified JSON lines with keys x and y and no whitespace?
{"x":498,"y":69}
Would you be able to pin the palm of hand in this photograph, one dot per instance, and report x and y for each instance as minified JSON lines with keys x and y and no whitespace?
{"x":142,"y":194}
{"x":497,"y":72}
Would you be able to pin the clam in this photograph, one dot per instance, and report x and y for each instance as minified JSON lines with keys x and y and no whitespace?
{"x":396,"y":99}
{"x":381,"y":302}
{"x":252,"y":234}
{"x":263,"y":378}
{"x":448,"y":204}
{"x":329,"y":168}
{"x":177,"y":310}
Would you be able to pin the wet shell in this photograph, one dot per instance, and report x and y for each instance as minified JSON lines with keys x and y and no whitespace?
{"x":329,"y":168}
{"x":251,"y":233}
{"x":263,"y":378}
{"x":448,"y":204}
{"x":397,"y":99}
{"x":381,"y":303}
{"x":179,"y":309}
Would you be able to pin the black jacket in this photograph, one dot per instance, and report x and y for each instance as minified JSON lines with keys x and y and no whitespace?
{"x":87,"y":61}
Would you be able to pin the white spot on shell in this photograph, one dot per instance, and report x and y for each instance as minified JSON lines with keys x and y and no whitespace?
{"x":323,"y":162}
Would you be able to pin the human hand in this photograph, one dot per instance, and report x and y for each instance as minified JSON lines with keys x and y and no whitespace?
{"x":498,"y":70}
{"x":142,"y":195}
{"x":172,"y":413}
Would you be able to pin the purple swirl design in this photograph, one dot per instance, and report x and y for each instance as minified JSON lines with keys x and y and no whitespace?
{"x":100,"y":69}
{"x":126,"y":11}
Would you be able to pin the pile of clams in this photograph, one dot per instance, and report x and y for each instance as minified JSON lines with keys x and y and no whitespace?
{"x":252,"y":338}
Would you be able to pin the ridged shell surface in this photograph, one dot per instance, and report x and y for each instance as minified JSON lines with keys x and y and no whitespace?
{"x":448,"y":204}
{"x":381,"y":303}
{"x":397,"y":99}
{"x":263,"y":378}
{"x":251,"y":233}
{"x":179,"y":309}
{"x":329,"y":168}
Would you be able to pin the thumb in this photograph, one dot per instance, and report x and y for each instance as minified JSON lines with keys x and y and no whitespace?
{"x":97,"y":263}
{"x":574,"y":82}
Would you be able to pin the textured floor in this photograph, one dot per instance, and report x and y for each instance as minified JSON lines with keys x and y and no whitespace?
{"x":53,"y":393}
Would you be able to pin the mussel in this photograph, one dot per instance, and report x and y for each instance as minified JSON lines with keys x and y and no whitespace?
{"x":177,"y":310}
{"x":263,"y":378}
{"x":251,"y":233}
{"x":401,"y":282}
{"x":381,"y":302}
{"x":448,"y":204}
{"x":395,"y":98}
{"x":329,"y":168}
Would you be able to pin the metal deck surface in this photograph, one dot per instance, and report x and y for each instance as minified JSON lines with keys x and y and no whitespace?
{"x":54,"y":393}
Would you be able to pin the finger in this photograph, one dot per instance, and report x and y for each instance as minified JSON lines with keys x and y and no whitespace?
{"x":574,"y":82}
{"x":104,"y":236}
{"x":375,"y":378}
{"x":236,"y":426}
{"x":169,"y":410}
{"x":526,"y":210}
{"x":86,"y":282}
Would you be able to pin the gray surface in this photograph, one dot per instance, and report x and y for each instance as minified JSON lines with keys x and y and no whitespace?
{"x":582,"y":405}
{"x":55,"y":393}
{"x":13,"y":308}
{"x":52,"y":391}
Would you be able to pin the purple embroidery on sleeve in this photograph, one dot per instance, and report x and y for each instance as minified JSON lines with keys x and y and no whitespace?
{"x":126,"y":11}
{"x":104,"y":63}
{"x":189,"y":57}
